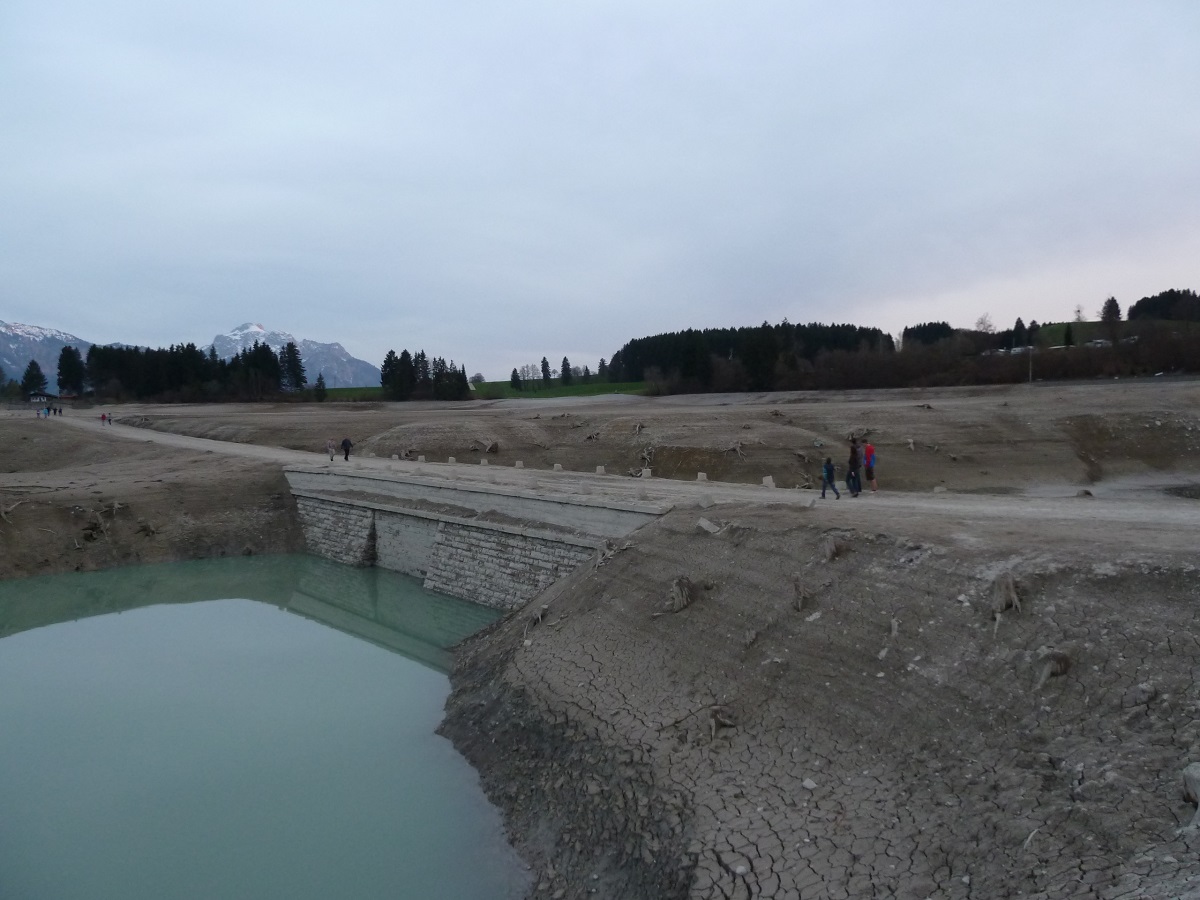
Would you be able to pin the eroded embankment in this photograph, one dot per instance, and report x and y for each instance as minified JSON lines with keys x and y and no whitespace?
{"x":875,"y":732}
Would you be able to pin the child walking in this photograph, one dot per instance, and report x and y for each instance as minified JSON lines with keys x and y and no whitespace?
{"x":827,"y":475}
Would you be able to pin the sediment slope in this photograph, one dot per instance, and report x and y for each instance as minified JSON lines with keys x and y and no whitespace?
{"x":875,"y":733}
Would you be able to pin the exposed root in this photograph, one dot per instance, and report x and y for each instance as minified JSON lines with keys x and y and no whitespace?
{"x":1191,"y":790}
{"x":802,"y":597}
{"x":1004,"y":596}
{"x":1055,"y":664}
{"x":536,"y":619}
{"x":5,"y":510}
{"x":720,"y":717}
{"x":684,"y":592}
{"x":835,"y":547}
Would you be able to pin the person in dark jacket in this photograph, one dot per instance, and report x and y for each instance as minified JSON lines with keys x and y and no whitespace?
{"x":346,"y":445}
{"x":853,"y":483}
{"x":827,"y":478}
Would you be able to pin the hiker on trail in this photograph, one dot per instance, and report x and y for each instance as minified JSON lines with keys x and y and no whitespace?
{"x":827,"y":478}
{"x":103,"y":418}
{"x":869,"y":466}
{"x":346,"y":445}
{"x":331,"y":448}
{"x":853,"y":482}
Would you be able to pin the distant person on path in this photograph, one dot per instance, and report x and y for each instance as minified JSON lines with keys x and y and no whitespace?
{"x":346,"y":445}
{"x":827,"y":478}
{"x":869,"y":466}
{"x":331,"y":447}
{"x":853,"y":482}
{"x":103,"y":418}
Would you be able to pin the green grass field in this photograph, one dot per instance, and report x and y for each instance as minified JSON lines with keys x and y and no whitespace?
{"x":346,"y":395}
{"x":502,"y":390}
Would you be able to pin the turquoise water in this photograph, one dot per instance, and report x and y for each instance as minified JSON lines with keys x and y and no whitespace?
{"x":247,"y":728}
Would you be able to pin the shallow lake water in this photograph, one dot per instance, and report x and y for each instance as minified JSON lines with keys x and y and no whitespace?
{"x":240,"y":728}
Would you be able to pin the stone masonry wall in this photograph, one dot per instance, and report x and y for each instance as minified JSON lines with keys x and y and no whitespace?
{"x":404,"y":543}
{"x":496,"y":568}
{"x":338,"y":531}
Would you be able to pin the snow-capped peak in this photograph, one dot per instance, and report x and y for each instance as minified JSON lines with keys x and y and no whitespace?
{"x":37,"y":333}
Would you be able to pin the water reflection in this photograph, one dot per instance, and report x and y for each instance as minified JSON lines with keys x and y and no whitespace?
{"x":375,"y":605}
{"x":188,"y":749}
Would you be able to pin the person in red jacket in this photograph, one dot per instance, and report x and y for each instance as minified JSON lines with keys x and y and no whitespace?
{"x":869,"y":466}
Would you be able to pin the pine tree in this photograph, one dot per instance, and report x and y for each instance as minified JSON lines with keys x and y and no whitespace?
{"x":545,"y":372}
{"x":291,"y":368}
{"x":319,"y":391}
{"x":33,"y":381}
{"x":566,"y":372}
{"x":70,"y":371}
{"x":515,"y":380}
{"x":1110,"y":317}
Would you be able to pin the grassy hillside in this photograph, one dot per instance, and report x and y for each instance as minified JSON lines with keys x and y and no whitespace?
{"x":497,"y":390}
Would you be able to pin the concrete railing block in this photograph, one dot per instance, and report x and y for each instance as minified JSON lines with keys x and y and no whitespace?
{"x":599,"y":470}
{"x":558,"y":467}
{"x":451,"y":460}
{"x":702,"y":476}
{"x":768,"y":481}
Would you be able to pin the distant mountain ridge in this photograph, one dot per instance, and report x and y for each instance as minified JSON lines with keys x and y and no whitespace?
{"x":21,"y":343}
{"x":338,"y":366}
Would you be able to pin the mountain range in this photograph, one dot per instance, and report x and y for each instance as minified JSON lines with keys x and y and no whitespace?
{"x":21,"y":343}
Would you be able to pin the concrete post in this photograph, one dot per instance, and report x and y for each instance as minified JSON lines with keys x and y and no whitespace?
{"x":518,"y":464}
{"x":451,"y":460}
{"x":599,"y":470}
{"x":702,"y":476}
{"x":558,"y":467}
{"x":768,"y":481}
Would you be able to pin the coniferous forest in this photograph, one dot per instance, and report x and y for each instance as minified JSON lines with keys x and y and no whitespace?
{"x":1159,"y":334}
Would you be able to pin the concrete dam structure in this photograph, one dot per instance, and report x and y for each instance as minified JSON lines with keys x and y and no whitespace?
{"x":497,"y":537}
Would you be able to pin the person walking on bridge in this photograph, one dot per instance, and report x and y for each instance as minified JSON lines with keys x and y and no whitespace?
{"x":346,"y":445}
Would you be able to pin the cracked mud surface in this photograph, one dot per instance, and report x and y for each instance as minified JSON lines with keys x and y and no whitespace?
{"x":889,"y":739}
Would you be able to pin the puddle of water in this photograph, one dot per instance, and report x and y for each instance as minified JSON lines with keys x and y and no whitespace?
{"x":160,"y":742}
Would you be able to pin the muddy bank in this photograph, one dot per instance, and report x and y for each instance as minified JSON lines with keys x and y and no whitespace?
{"x":73,"y":501}
{"x":878,"y":732}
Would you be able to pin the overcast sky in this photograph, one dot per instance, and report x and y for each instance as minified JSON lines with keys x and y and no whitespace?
{"x":497,"y":182}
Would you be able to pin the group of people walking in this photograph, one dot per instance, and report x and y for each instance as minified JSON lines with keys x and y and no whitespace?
{"x":331,"y":448}
{"x":861,"y":463}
